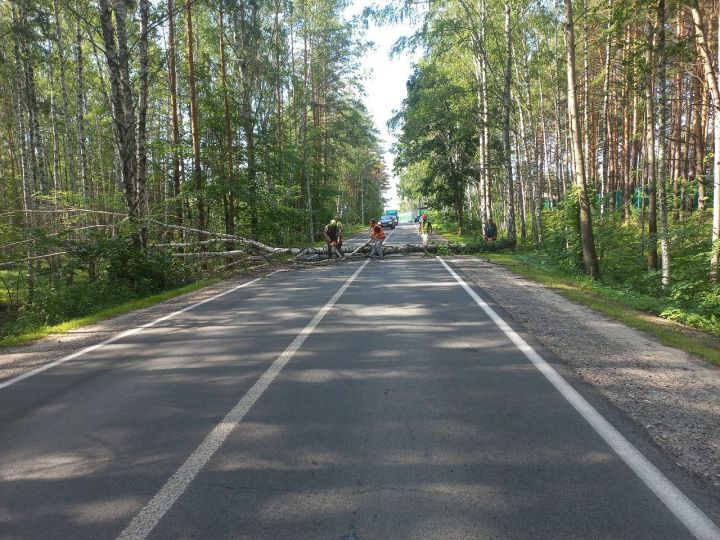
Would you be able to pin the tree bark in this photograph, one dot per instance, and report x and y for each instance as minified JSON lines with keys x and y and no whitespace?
{"x":509,"y":188}
{"x":650,"y":163}
{"x":80,"y":102}
{"x":662,"y":145}
{"x":142,"y":111}
{"x":116,"y":54}
{"x":230,"y":196}
{"x":69,"y":175}
{"x":589,"y":255}
{"x":175,"y":124}
{"x":712,"y":79}
{"x":194,"y":126}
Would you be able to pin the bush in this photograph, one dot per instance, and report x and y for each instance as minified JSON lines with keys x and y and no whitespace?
{"x":99,"y":273}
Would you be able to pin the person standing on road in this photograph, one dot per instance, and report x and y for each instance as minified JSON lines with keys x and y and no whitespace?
{"x":332,"y":238}
{"x":377,"y":236}
{"x":422,"y":223}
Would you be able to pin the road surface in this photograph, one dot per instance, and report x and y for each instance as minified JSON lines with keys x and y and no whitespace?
{"x":405,"y":233}
{"x":372,"y":399}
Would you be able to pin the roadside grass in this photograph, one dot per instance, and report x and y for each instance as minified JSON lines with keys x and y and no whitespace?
{"x":106,"y":313}
{"x":581,"y":290}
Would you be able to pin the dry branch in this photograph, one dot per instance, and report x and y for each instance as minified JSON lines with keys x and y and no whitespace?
{"x":239,"y":239}
{"x":20,"y":261}
{"x":63,"y":211}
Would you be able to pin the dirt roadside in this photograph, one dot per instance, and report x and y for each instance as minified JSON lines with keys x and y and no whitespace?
{"x":672,"y":395}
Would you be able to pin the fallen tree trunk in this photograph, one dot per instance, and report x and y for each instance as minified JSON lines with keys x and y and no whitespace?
{"x":450,"y":248}
{"x":28,"y":259}
{"x":184,"y":244}
{"x":239,"y":239}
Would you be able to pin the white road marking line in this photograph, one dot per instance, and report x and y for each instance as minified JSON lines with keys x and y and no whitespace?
{"x":126,"y":333}
{"x":151,"y":514}
{"x":675,"y":500}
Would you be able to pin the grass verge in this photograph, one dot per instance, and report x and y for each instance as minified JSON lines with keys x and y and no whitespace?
{"x":669,"y":333}
{"x":107,"y":313}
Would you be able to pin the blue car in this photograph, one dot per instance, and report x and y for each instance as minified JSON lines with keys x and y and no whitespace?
{"x":387,"y":221}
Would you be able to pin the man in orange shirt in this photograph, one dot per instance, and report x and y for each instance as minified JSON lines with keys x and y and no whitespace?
{"x":377,"y":236}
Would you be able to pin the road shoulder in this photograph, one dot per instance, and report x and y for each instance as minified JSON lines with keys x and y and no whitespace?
{"x":22,"y":358}
{"x":673,"y":396}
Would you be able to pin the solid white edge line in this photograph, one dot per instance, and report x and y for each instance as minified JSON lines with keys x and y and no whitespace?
{"x":151,"y":514}
{"x":675,"y":500}
{"x":126,"y":333}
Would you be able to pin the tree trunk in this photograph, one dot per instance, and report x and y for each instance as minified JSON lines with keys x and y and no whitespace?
{"x":677,"y":136}
{"x":628,"y":133}
{"x":306,"y":183}
{"x":521,"y":171}
{"x":35,"y":140}
{"x":590,"y":175}
{"x":509,"y":188}
{"x":650,"y":152}
{"x":230,"y":171}
{"x":712,"y":79}
{"x":662,"y":145}
{"x":67,"y":154}
{"x":248,"y":25}
{"x":278,"y":96}
{"x":715,"y":260}
{"x":142,"y":112}
{"x":174,"y":115}
{"x":56,"y":143}
{"x":607,"y":129}
{"x":485,"y":148}
{"x":194,"y":126}
{"x":590,"y":261}
{"x":80,"y":103}
{"x":115,"y":40}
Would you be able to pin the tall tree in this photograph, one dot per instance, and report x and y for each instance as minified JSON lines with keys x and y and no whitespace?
{"x":174,"y":119}
{"x":507,"y":104}
{"x":198,"y":180}
{"x":712,"y":78}
{"x":587,"y":239}
{"x":663,"y":144}
{"x":123,"y":105}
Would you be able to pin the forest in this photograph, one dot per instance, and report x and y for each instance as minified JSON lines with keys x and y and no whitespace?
{"x":143,"y":142}
{"x":589,"y":130}
{"x":140,"y":138}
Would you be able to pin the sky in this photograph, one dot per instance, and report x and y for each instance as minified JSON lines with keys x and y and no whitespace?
{"x":385,"y":83}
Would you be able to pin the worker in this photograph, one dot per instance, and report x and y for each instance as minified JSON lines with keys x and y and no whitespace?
{"x":333,"y":238}
{"x":422,"y":223}
{"x":377,"y":236}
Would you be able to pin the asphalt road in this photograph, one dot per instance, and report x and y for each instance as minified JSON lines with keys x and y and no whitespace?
{"x":405,"y":233}
{"x":368,"y":400}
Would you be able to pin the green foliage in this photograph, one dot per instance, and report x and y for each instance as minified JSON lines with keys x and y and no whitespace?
{"x":622,"y":251}
{"x":444,"y":250}
{"x":99,"y":272}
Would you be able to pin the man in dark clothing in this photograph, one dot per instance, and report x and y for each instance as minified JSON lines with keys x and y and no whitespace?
{"x":490,"y":231}
{"x":332,"y":237}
